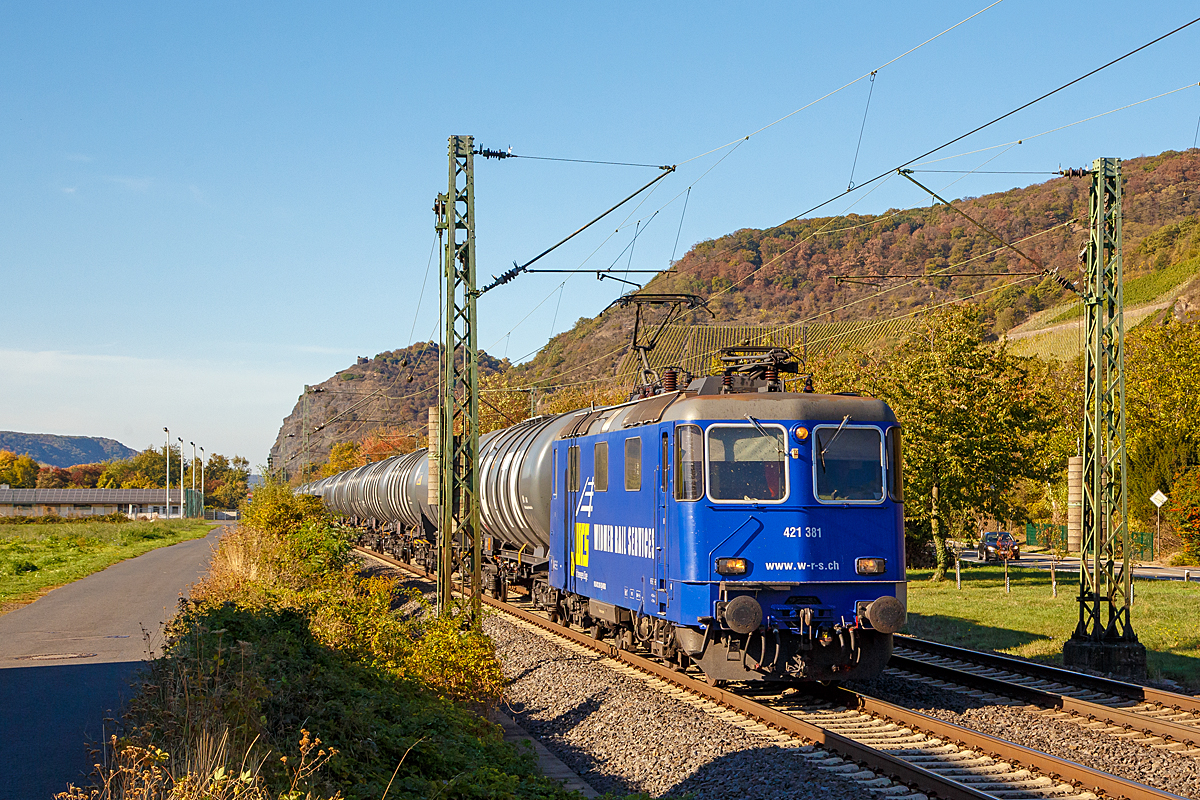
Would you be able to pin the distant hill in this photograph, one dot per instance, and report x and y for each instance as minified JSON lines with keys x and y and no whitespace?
{"x":64,"y":451}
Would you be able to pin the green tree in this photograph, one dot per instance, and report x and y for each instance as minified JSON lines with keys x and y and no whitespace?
{"x":146,"y":470}
{"x":975,"y":421}
{"x":1162,"y":371}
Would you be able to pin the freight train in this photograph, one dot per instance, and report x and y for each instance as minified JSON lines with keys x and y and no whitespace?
{"x":755,"y":532}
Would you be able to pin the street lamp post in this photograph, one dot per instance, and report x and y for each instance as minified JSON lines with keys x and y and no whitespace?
{"x":193,"y":444}
{"x":180,"y":440}
{"x":167,"y":450}
{"x":203,"y":458}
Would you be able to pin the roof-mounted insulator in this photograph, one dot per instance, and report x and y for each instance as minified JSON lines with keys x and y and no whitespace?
{"x":483,"y":151}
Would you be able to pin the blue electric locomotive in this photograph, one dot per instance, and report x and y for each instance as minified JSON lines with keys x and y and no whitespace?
{"x":754,"y":532}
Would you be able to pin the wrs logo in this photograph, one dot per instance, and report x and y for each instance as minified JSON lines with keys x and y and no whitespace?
{"x":579,"y":556}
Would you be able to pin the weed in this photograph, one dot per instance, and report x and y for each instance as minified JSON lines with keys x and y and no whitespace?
{"x":284,"y":635}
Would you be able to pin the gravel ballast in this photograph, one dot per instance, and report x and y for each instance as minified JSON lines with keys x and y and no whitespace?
{"x":622,"y":735}
{"x":1163,"y":769}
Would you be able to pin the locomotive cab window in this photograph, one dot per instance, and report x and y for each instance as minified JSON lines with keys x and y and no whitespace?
{"x":747,"y":463}
{"x":573,"y":468}
{"x":895,"y":465}
{"x":689,"y":463}
{"x":848,"y":464}
{"x":600,"y":466}
{"x":633,"y":465}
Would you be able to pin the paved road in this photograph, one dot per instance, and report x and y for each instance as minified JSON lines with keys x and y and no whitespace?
{"x":66,"y":661}
{"x":1071,"y":564}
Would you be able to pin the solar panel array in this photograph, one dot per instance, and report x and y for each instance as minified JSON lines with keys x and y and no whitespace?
{"x":94,"y":496}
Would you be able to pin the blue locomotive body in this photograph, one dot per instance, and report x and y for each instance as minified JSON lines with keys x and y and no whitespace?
{"x":789,"y":501}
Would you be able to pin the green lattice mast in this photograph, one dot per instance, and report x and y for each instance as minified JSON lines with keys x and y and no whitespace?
{"x":459,"y":532}
{"x":1104,"y":637}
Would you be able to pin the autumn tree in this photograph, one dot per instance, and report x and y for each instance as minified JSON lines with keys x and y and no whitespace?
{"x":18,"y":471}
{"x":384,"y":442}
{"x":342,"y":457}
{"x":503,"y":401}
{"x":226,"y":481}
{"x":1184,"y":511}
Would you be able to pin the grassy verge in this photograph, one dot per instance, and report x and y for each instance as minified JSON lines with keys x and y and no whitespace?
{"x":35,"y":558}
{"x":290,"y":674}
{"x":1031,"y":623}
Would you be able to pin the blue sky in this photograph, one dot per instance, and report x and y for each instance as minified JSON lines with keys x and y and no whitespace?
{"x":205,"y":206}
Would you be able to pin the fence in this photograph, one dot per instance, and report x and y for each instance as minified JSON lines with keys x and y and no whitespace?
{"x":1041,"y":534}
{"x":193,"y":504}
{"x":1141,"y":545}
{"x":1044,"y":534}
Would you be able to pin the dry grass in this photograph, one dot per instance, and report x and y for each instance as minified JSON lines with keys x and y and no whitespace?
{"x":284,"y":635}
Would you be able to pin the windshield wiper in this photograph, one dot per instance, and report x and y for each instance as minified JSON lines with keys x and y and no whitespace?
{"x":758,"y":426}
{"x":836,"y":434}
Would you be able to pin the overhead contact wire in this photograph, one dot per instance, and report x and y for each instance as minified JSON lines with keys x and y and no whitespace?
{"x":1004,"y":116}
{"x":861,"y":129}
{"x":844,"y":86}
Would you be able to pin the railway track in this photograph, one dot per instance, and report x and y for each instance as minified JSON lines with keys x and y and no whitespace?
{"x":870,"y":740}
{"x":1165,"y":720}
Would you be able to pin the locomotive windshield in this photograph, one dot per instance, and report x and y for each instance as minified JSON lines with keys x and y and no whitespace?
{"x":848,"y":464}
{"x":747,"y":463}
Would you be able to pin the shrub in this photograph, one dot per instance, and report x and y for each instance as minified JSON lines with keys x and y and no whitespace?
{"x":284,"y":636}
{"x":275,"y":509}
{"x":1184,"y":511}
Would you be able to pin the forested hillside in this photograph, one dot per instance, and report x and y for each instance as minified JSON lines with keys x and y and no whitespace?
{"x":789,"y":274}
{"x":795,"y":274}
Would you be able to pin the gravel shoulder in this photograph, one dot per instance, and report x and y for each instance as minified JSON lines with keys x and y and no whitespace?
{"x":625,"y":736}
{"x":1163,"y":769}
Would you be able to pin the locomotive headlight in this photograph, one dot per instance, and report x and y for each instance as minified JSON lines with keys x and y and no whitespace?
{"x":800,"y":432}
{"x":870,"y":566}
{"x":731,"y":566}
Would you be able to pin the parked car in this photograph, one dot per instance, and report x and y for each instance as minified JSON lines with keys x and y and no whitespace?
{"x":998,"y":546}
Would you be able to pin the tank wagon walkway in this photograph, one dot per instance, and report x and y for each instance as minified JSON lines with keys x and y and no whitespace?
{"x":66,"y":661}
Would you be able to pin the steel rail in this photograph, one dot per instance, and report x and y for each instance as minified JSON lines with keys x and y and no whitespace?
{"x":1133,"y":691}
{"x":910,"y":774}
{"x":1104,"y":783}
{"x":1186,"y":734}
{"x":876,"y":760}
